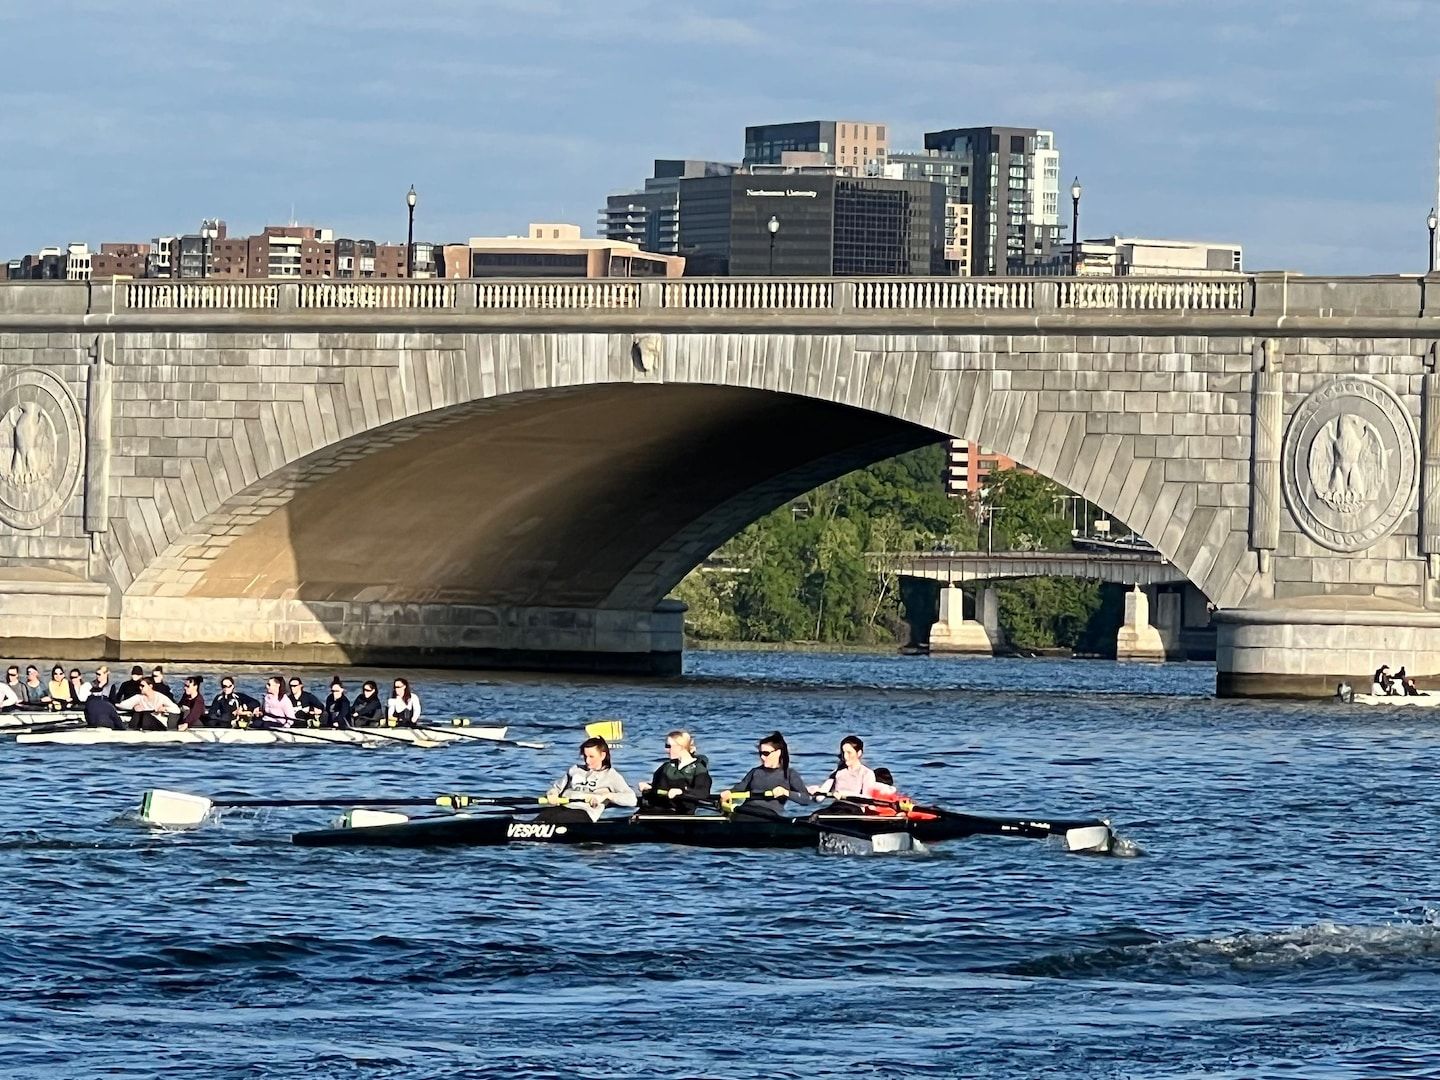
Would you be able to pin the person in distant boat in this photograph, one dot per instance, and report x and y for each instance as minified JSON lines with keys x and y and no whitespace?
{"x":131,"y":686}
{"x":1381,"y":683}
{"x":1411,"y":690}
{"x":307,"y":705}
{"x":102,"y":684}
{"x":34,"y":689}
{"x":8,"y":698}
{"x":161,"y":686}
{"x":276,"y":711}
{"x":192,"y":704}
{"x":149,"y":708}
{"x":851,"y":776}
{"x":683,"y":778}
{"x":229,"y":705}
{"x":586,"y":789}
{"x":404,"y":707}
{"x":1397,"y":684}
{"x":336,"y":711}
{"x":79,"y":688}
{"x":12,"y":680}
{"x":771,"y":783}
{"x":100,"y":713}
{"x":59,"y":688}
{"x":367,"y":710}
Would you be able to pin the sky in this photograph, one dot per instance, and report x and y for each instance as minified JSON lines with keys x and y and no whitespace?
{"x":1303,"y":129}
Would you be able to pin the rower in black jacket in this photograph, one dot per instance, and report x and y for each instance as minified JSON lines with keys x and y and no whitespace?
{"x":680,"y":781}
{"x":337,"y":709}
{"x":367,"y":710}
{"x":230,"y":705}
{"x":772,"y":782}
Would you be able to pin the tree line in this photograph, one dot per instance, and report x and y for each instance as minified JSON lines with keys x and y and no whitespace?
{"x":800,"y":574}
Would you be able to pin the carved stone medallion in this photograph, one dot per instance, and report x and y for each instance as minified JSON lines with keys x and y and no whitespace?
{"x":40,"y":451}
{"x":1350,"y":463}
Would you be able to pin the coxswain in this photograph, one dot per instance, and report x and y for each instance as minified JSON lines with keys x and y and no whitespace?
{"x":229,"y":705}
{"x":308,"y":707}
{"x":367,"y":710}
{"x":586,"y":789}
{"x":100,"y":713}
{"x":192,"y":704}
{"x":851,"y":776}
{"x":149,"y":708}
{"x":770,"y":783}
{"x":682,"y":779}
{"x":336,"y":711}
{"x":276,"y":710}
{"x":404,"y":707}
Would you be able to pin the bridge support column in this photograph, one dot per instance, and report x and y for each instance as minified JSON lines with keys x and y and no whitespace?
{"x":1138,"y":638}
{"x":953,"y":633}
{"x":987,"y":605}
{"x":1298,"y":652}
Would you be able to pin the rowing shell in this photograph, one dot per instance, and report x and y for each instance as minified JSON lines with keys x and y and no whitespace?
{"x":258,"y":736}
{"x":1423,"y":701}
{"x":27,"y":718}
{"x":711,"y":831}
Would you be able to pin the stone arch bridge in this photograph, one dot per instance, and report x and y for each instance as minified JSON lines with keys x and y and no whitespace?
{"x":516,"y":473}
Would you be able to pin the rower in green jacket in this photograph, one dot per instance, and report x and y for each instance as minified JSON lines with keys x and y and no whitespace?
{"x":683,"y":778}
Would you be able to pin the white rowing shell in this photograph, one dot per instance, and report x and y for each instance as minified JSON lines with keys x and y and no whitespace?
{"x":258,"y":736}
{"x":1424,"y":701}
{"x":36,"y":717}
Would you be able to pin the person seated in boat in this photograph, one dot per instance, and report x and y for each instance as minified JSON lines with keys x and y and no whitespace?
{"x":367,"y":710}
{"x":8,"y":698}
{"x":404,"y":707}
{"x":14,"y":684}
{"x":1397,"y":684}
{"x":683,"y":777}
{"x":102,"y":684}
{"x":276,"y":711}
{"x":79,"y":688}
{"x":1380,"y":685}
{"x":148,"y":708}
{"x":157,"y":676}
{"x":229,"y":705}
{"x":35,"y":694}
{"x":1411,"y":690}
{"x":191,"y":704}
{"x":308,"y":707}
{"x":335,"y":713}
{"x":587,"y":788}
{"x":58,"y":691}
{"x":851,"y":775}
{"x":767,"y":786}
{"x":100,"y":713}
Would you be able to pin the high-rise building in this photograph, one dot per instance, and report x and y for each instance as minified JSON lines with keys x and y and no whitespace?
{"x":804,"y":223}
{"x":650,"y":218}
{"x":855,"y":144}
{"x":1014,"y":190}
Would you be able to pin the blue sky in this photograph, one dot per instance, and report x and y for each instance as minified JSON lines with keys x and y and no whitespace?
{"x":1304,"y":129}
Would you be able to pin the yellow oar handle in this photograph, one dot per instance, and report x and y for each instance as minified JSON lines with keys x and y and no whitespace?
{"x":553,"y":800}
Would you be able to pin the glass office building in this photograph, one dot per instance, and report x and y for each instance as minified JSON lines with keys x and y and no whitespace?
{"x":825,"y":225}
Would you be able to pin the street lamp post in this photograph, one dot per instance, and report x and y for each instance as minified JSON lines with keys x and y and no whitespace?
{"x":1075,"y":226}
{"x":208,"y":232}
{"x":1432,"y":221}
{"x":410,"y":199}
{"x":773,"y":226}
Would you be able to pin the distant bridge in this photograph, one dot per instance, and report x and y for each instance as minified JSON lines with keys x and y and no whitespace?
{"x":968,"y":566}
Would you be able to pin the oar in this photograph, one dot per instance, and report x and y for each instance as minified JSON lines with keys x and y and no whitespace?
{"x":739,"y":808}
{"x":161,"y":807}
{"x":455,"y":724}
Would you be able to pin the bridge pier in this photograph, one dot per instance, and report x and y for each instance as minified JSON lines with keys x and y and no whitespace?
{"x":1305,"y":652}
{"x":953,"y":633}
{"x":1143,"y":636}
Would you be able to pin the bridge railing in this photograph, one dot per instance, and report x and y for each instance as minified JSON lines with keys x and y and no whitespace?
{"x":377,"y":295}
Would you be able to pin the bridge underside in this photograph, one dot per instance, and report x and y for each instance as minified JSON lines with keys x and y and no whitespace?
{"x":539,"y":531}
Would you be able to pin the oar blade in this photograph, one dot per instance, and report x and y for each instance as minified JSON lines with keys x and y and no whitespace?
{"x":173,"y":809}
{"x":361,"y":818}
{"x":1094,"y":839}
{"x":612,"y":731}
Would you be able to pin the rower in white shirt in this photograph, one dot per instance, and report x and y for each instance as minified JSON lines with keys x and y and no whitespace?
{"x":149,"y":707}
{"x":404,"y":707}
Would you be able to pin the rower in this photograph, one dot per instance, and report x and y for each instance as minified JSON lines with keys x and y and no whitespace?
{"x":102,"y":684}
{"x":14,"y":685}
{"x":683,"y":778}
{"x":588,"y":787}
{"x":230,"y":705}
{"x":336,"y":711}
{"x":149,"y":707}
{"x":131,"y":686}
{"x":192,"y":704}
{"x":307,"y":706}
{"x":59,"y":689}
{"x":8,"y":697}
{"x":276,"y":710}
{"x":34,"y":689}
{"x":79,"y":688}
{"x":851,"y":775}
{"x":404,"y":707}
{"x":161,"y":686}
{"x":772,"y":782}
{"x":367,"y":710}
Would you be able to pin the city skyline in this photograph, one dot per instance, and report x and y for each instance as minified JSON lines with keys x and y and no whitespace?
{"x":1214,"y":124}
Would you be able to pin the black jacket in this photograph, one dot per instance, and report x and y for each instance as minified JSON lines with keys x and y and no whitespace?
{"x":693,"y":780}
{"x":336,"y":712}
{"x":365,"y":710}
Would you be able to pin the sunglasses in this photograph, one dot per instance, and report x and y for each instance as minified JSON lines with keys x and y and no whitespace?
{"x":767,"y":753}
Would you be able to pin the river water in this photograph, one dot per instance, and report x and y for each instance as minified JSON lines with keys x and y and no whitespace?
{"x":1283,"y":920}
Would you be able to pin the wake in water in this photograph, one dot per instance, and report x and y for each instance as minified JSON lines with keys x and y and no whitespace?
{"x":1325,"y":949}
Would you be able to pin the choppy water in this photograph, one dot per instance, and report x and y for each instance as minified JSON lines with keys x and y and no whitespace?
{"x":1280,"y":923}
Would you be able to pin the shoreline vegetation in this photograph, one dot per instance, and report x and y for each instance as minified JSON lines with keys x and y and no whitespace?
{"x":799,"y":578}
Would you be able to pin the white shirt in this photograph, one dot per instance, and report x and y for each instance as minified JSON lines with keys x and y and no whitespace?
{"x":81,"y":690}
{"x":399,"y":705}
{"x":7,"y":696}
{"x":156,"y":703}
